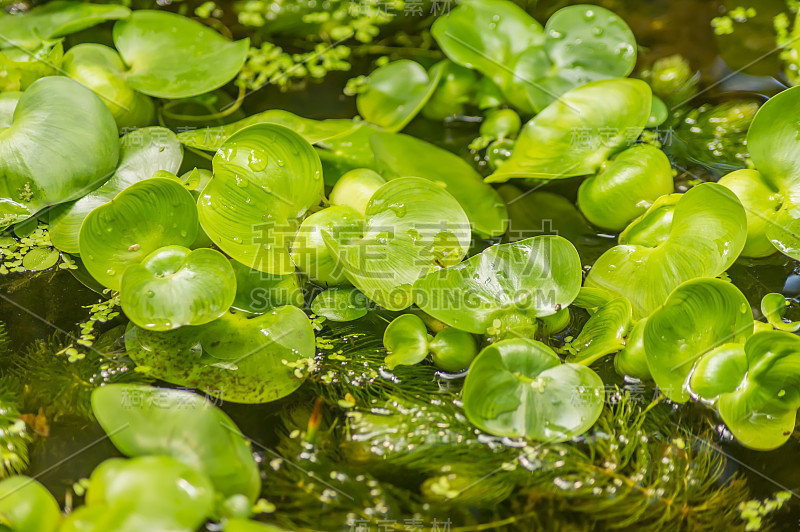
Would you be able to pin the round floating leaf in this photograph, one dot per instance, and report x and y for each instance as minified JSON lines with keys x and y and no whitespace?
{"x":174,"y":286}
{"x":452,"y":349}
{"x":143,"y":152}
{"x":412,"y":227}
{"x":574,"y":135}
{"x":340,"y":304}
{"x":27,"y":506}
{"x":355,"y":188}
{"x":708,"y":231}
{"x":698,"y":316}
{"x":718,"y":371}
{"x":396,"y":92}
{"x":142,"y":218}
{"x":761,"y":201}
{"x":625,"y":187}
{"x":533,"y":277}
{"x":773,"y":307}
{"x":314,"y":131}
{"x":143,"y":420}
{"x":604,"y":333}
{"x":171,"y":56}
{"x":62,"y":145}
{"x":772,"y":140}
{"x":309,"y":251}
{"x":519,"y":388}
{"x":658,"y":112}
{"x":54,"y":19}
{"x":101,"y":69}
{"x":265,"y":177}
{"x":406,"y":341}
{"x":258,"y":292}
{"x":486,"y":210}
{"x":238,"y":356}
{"x":40,"y":258}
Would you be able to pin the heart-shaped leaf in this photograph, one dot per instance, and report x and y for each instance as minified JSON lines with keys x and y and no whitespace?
{"x":143,"y":421}
{"x":142,"y":218}
{"x":143,"y":152}
{"x":707,"y":233}
{"x":171,"y":56}
{"x":519,"y":388}
{"x":523,"y":280}
{"x":604,"y":333}
{"x":406,"y":341}
{"x":238,"y":356}
{"x":412,"y":227}
{"x":62,"y":145}
{"x":265,"y":177}
{"x":340,"y":304}
{"x":174,"y":286}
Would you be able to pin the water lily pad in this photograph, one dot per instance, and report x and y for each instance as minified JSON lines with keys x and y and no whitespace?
{"x":199,"y":59}
{"x":340,"y":304}
{"x":406,"y":341}
{"x":143,"y":152}
{"x":144,"y":217}
{"x":61,"y":146}
{"x":266,"y":177}
{"x":174,"y":286}
{"x":519,"y":388}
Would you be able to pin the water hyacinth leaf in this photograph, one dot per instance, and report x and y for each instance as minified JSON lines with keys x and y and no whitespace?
{"x":143,"y":152}
{"x":8,"y":103}
{"x":483,"y":205}
{"x":355,"y":188}
{"x":406,"y":341}
{"x":604,"y":333}
{"x":144,"y":420}
{"x":654,"y":226}
{"x":707,"y":233}
{"x":761,"y":201}
{"x":625,"y":187}
{"x":631,"y":361}
{"x":199,"y":59}
{"x":20,"y":68}
{"x":258,"y":292}
{"x":347,"y":152}
{"x":101,"y":69}
{"x":240,"y":354}
{"x":761,"y":412}
{"x":574,"y":136}
{"x":773,"y":307}
{"x":396,"y":92}
{"x":174,"y":286}
{"x":519,"y":388}
{"x":265,"y":177}
{"x":412,"y":227}
{"x":54,"y":19}
{"x":314,"y":131}
{"x":309,"y":252}
{"x":62,"y":144}
{"x":147,"y":492}
{"x":340,"y":304}
{"x":27,"y":506}
{"x":698,"y":316}
{"x":454,"y":91}
{"x":452,"y":349}
{"x":144,"y":217}
{"x":534,"y":277}
{"x":718,"y":371}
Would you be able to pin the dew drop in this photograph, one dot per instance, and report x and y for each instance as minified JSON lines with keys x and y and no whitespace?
{"x":597,"y":31}
{"x":589,"y":15}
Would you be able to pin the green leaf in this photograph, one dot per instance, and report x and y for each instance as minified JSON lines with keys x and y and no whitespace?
{"x":773,"y":307}
{"x":314,"y":131}
{"x":101,"y":69}
{"x":625,"y":187}
{"x":340,"y":304}
{"x":144,"y":217}
{"x":144,"y":421}
{"x":20,"y":68}
{"x":265,"y":177}
{"x":718,"y":371}
{"x":8,"y":103}
{"x":406,"y":341}
{"x":632,"y":360}
{"x":412,"y":227}
{"x":54,"y":19}
{"x":604,"y":333}
{"x":355,"y":188}
{"x":761,"y":412}
{"x":396,"y":92}
{"x":143,"y":152}
{"x":486,"y":210}
{"x":654,"y":226}
{"x":237,"y":357}
{"x":147,"y":492}
{"x":452,"y":349}
{"x":762,"y":202}
{"x":174,"y":286}
{"x":40,"y":258}
{"x":697,"y":317}
{"x":707,"y":233}
{"x":531,"y":278}
{"x":199,"y":59}
{"x":61,"y":146}
{"x":258,"y":292}
{"x":309,"y":252}
{"x":574,"y":135}
{"x":519,"y":388}
{"x":27,"y":506}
